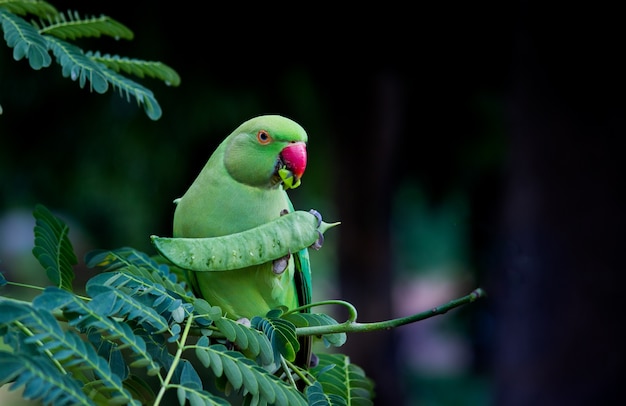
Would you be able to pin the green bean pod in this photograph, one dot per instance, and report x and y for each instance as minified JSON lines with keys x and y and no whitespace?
{"x":287,"y":234}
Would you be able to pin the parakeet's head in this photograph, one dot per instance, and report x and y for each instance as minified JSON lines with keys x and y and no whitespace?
{"x":267,"y":151}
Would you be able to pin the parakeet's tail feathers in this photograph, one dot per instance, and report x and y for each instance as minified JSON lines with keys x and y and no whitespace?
{"x":303,"y":282}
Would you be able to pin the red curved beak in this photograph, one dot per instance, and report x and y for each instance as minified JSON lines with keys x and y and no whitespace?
{"x":294,"y":157}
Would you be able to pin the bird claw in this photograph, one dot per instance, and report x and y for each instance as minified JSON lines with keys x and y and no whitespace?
{"x":280,"y":264}
{"x":245,"y":321}
{"x":319,"y":242}
{"x":317,"y":215}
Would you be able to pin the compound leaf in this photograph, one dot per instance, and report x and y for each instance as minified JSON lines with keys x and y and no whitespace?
{"x":53,"y":248}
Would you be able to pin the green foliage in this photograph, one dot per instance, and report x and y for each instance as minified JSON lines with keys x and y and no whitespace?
{"x":53,"y":248}
{"x":241,"y":372}
{"x":60,"y":351}
{"x":34,"y":40}
{"x":73,"y":26}
{"x":281,"y":333}
{"x":156,"y":70}
{"x":343,"y":379}
{"x":35,"y":7}
{"x":139,"y":331}
{"x":41,"y":379}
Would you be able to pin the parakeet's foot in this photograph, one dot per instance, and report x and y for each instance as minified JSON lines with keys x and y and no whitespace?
{"x":280,"y":264}
{"x":319,"y":242}
{"x":318,"y":215}
{"x":320,"y":239}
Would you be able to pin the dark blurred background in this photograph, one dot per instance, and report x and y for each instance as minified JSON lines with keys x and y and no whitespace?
{"x":460,"y":146}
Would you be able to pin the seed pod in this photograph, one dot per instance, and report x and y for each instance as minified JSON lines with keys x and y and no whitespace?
{"x":287,"y":234}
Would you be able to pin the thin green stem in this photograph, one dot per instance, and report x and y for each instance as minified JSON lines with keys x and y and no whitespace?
{"x":41,"y":288}
{"x":283,"y":363}
{"x":295,"y":370}
{"x":351,"y":326}
{"x":175,"y":361}
{"x":352,"y":313}
{"x":24,"y":285}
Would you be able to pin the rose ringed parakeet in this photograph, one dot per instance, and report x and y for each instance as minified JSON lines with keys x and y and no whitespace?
{"x":242,"y":186}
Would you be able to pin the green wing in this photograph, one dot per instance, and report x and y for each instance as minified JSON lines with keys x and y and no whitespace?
{"x":302,"y":280}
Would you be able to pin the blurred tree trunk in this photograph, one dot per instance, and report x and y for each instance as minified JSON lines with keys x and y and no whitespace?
{"x":365,"y":185}
{"x":558,"y":292}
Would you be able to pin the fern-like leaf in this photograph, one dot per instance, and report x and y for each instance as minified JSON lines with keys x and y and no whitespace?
{"x":22,"y":7}
{"x":316,"y":397}
{"x":109,"y":351}
{"x":53,"y":248}
{"x":63,"y":347}
{"x":340,"y":377}
{"x":112,"y":302}
{"x":77,"y":66}
{"x":41,"y":380}
{"x":138,"y":67}
{"x":198,"y":397}
{"x":72,"y":26}
{"x":136,"y":263}
{"x":119,"y":258}
{"x":25,"y":40}
{"x":166,"y":309}
{"x":146,"y":281}
{"x":281,"y":333}
{"x":249,"y":341}
{"x":243,"y":373}
{"x":143,"y":95}
{"x":84,"y":318}
{"x":34,"y":41}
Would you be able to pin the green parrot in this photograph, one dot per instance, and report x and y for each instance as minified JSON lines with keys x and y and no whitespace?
{"x":243,"y":185}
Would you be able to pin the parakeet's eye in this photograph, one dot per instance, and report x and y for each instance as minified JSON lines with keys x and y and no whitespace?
{"x":263,"y":137}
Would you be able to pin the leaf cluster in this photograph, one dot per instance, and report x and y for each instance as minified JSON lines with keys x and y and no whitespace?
{"x":139,"y":336}
{"x":50,"y":30}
